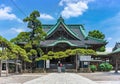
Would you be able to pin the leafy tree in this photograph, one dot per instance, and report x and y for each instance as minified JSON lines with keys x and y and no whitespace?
{"x":96,"y":34}
{"x":21,"y":37}
{"x":11,"y":51}
{"x":36,"y":34}
{"x":3,"y":44}
{"x":99,"y":35}
{"x":31,"y":40}
{"x":63,"y":54}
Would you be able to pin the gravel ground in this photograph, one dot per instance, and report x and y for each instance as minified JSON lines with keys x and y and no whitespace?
{"x":18,"y":79}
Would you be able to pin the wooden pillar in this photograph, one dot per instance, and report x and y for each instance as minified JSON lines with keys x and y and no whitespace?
{"x":116,"y":64}
{"x":52,"y":48}
{"x":76,"y":61}
{"x":46,"y":50}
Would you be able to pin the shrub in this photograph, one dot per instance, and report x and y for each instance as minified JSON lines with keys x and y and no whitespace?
{"x":101,"y":67}
{"x":93,"y":68}
{"x":105,"y":67}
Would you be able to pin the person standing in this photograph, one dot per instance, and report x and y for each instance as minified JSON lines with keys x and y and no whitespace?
{"x":59,"y":66}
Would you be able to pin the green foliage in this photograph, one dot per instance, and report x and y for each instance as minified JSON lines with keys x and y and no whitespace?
{"x":21,"y":37}
{"x":105,"y":67}
{"x":28,"y":47}
{"x":4,"y":44}
{"x":50,"y":53}
{"x":31,"y":40}
{"x":37,"y":34}
{"x":93,"y":68}
{"x":40,"y":52}
{"x":96,"y":34}
{"x":99,"y":35}
{"x":18,"y":52}
{"x":60,"y":54}
{"x":3,"y":56}
{"x":33,"y":52}
{"x":67,"y":53}
{"x":101,"y":49}
{"x":11,"y":51}
{"x":44,"y":57}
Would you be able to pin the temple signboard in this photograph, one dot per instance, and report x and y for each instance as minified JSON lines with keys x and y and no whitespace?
{"x":85,"y":58}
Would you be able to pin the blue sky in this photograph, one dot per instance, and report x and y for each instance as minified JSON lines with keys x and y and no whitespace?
{"x":103,"y":15}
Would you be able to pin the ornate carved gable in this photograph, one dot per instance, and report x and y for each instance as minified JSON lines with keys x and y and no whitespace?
{"x":61,"y":33}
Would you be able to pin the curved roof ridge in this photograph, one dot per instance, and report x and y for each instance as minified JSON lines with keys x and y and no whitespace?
{"x":62,"y":41}
{"x":83,"y":31}
{"x":52,"y":29}
{"x":70,"y":31}
{"x":96,"y":39}
{"x":55,"y":26}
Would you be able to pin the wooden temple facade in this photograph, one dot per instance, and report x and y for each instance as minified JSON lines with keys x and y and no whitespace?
{"x":62,"y":36}
{"x":115,"y":57}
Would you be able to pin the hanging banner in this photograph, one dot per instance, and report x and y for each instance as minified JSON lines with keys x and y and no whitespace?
{"x":47,"y":63}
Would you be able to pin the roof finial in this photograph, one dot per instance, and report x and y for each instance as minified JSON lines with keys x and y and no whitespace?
{"x":61,"y":18}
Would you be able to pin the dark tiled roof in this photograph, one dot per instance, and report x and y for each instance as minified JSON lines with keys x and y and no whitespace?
{"x":71,"y":42}
{"x":75,"y":29}
{"x":117,"y":45}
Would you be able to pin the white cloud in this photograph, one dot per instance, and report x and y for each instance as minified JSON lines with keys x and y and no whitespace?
{"x":46,"y":16}
{"x":74,"y":8}
{"x":109,"y":38}
{"x":12,"y":31}
{"x":6,"y":13}
{"x":17,"y":30}
{"x":109,"y":49}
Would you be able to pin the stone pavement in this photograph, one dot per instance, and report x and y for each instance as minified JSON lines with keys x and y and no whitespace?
{"x":108,"y":82}
{"x":61,"y":78}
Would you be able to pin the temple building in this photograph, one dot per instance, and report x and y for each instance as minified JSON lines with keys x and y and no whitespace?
{"x":115,"y":57}
{"x":62,"y":36}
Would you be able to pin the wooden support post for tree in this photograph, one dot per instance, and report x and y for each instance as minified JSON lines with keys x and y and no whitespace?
{"x":25,"y":66}
{"x":21,"y":68}
{"x":16,"y":67}
{"x":6,"y":68}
